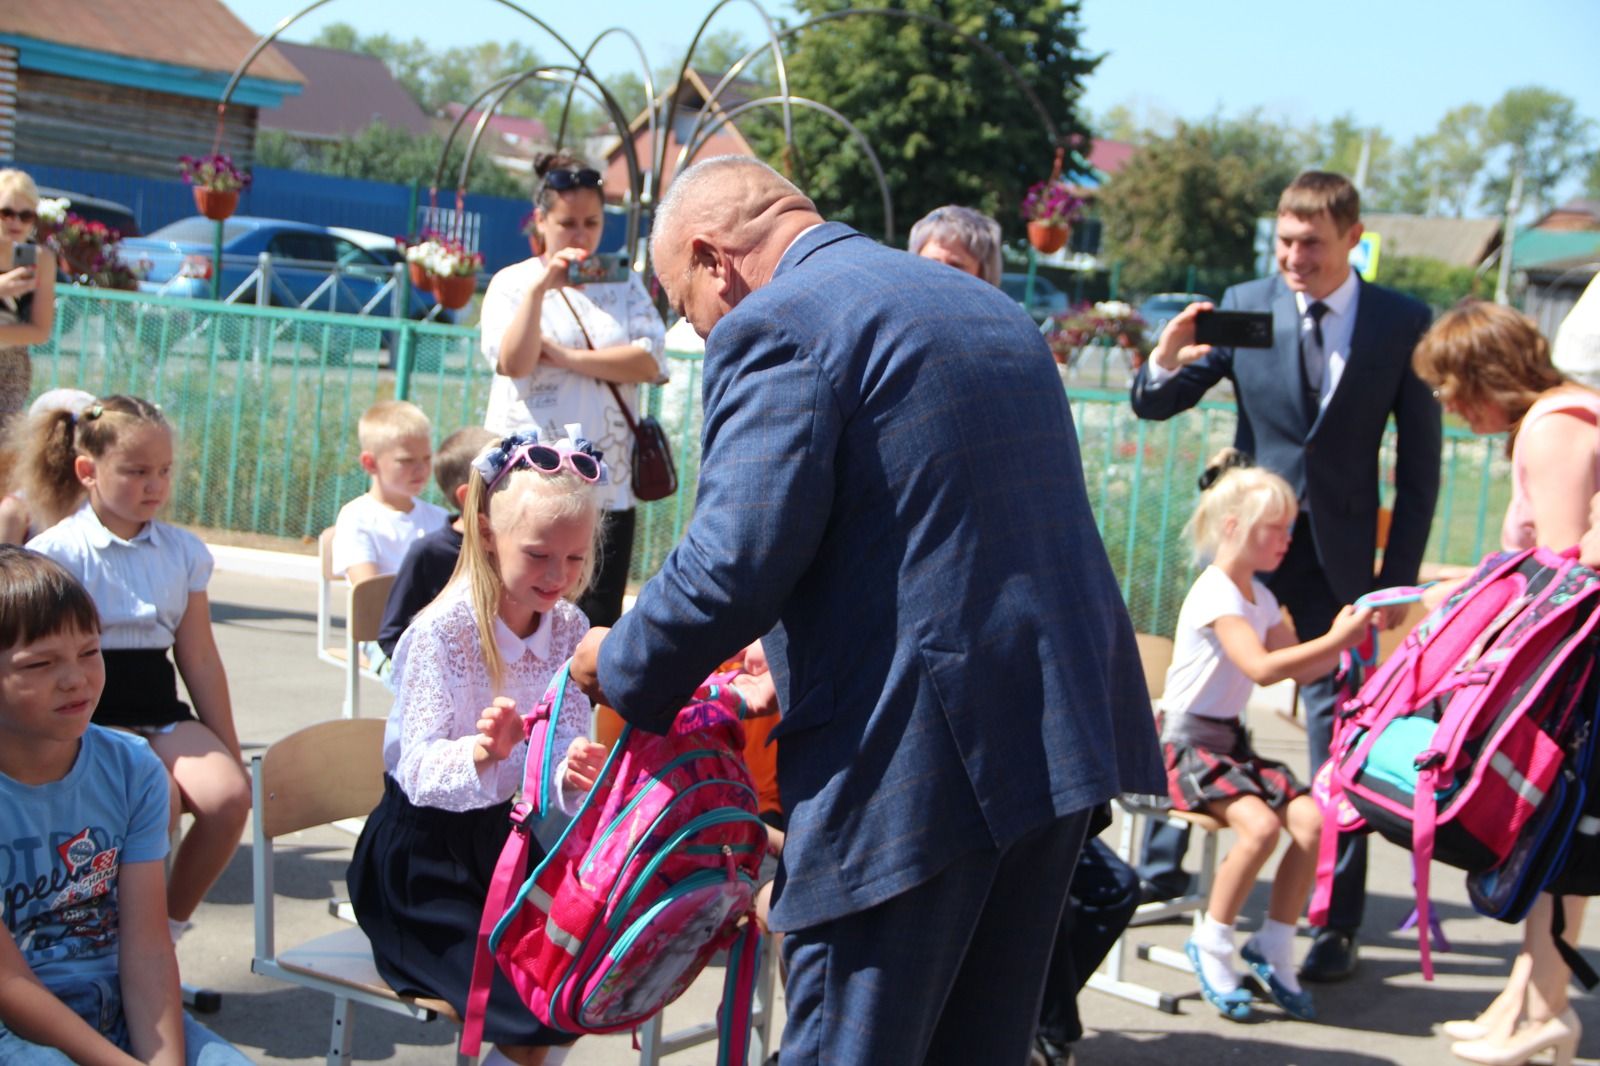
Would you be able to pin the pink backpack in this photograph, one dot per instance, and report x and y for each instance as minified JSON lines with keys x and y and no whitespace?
{"x":650,"y":880}
{"x":1454,"y":747}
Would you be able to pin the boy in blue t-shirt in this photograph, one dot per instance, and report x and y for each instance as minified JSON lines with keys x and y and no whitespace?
{"x":83,"y":832}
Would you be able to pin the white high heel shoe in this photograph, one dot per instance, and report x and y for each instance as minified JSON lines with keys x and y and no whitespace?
{"x":1559,"y":1034}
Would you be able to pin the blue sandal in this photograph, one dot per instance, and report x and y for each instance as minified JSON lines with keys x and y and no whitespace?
{"x":1235,"y":1005}
{"x":1297,"y":1004}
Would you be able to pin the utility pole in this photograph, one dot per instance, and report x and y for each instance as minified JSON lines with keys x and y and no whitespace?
{"x":1363,"y":162}
{"x":1502,"y":288}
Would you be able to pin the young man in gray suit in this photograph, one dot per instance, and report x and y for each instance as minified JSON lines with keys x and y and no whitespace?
{"x":891,"y":486}
{"x":1313,"y":408}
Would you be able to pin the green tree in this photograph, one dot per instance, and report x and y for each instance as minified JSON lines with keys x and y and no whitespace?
{"x":944,"y":119}
{"x":1591,"y":181}
{"x":1338,"y":146}
{"x":1193,"y":198}
{"x":1543,"y":135}
{"x":1438,"y":284}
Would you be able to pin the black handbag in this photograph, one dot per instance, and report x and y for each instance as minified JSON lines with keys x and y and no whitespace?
{"x":654,"y":475}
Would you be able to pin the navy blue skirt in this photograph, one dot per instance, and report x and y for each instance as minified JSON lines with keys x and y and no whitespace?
{"x":418,"y":879}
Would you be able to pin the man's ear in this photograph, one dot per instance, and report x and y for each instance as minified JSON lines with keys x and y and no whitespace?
{"x":705,"y":255}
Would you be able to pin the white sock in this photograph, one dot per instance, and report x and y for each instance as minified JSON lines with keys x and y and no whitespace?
{"x":557,"y":1055}
{"x":1215,"y":941}
{"x":176,"y":929}
{"x":1275,"y":941}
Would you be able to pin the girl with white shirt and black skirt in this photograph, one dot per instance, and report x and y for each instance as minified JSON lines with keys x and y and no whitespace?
{"x":148,"y":580}
{"x":568,"y":352}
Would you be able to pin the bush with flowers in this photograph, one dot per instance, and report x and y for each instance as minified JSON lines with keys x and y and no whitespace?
{"x":52,"y":213}
{"x":90,"y":252}
{"x":1110,"y":323}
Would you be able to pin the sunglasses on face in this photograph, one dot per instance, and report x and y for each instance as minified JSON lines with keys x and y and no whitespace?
{"x":564,"y":180}
{"x":548,"y":460}
{"x":27,"y":214}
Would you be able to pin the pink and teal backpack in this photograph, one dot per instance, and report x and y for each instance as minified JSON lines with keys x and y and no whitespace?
{"x":1469,"y":745}
{"x":653,"y":876}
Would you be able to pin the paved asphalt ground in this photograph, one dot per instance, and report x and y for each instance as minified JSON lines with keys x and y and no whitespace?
{"x":1386,"y":1014}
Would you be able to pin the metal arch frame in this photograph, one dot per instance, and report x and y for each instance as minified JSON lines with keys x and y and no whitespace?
{"x":572,"y":78}
{"x":283,"y":24}
{"x":986,"y":49}
{"x":646,"y":189}
{"x":861,"y":138}
{"x":670,"y":112}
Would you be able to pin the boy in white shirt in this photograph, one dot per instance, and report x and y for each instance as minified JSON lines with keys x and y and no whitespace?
{"x":374,"y":530}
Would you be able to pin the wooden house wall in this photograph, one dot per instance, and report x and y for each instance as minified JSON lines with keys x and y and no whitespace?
{"x":71,"y":122}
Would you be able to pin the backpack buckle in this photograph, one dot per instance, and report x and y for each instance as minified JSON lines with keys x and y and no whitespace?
{"x":519,"y":816}
{"x":1428,"y":760}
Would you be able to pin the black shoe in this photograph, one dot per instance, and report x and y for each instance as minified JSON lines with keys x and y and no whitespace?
{"x":1166,"y":889}
{"x":1332,"y":957}
{"x":1047,"y":1052}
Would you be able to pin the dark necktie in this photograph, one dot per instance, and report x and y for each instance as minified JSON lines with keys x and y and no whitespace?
{"x":1313,"y":355}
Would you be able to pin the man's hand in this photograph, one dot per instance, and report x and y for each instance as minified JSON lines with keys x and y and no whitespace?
{"x":1589,"y":546}
{"x":586,"y":665}
{"x":1176,"y":349}
{"x":760,"y":694}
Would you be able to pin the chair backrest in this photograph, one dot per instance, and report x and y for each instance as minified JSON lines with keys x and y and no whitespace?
{"x":367,"y":600}
{"x":320,"y":774}
{"x":1155,"y":654}
{"x":325,"y":553}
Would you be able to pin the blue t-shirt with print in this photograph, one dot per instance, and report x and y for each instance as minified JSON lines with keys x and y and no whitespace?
{"x":62,"y":845}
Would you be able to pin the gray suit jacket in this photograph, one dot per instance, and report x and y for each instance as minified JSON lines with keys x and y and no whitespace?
{"x":1331,"y":461}
{"x":891,"y":485}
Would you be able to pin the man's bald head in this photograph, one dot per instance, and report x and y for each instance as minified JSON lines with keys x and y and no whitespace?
{"x":720,"y":231}
{"x":736,"y":197}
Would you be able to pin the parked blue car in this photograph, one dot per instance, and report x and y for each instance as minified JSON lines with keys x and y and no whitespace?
{"x":305,"y":259}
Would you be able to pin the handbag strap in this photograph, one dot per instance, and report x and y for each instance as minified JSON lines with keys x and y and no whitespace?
{"x":633,"y":426}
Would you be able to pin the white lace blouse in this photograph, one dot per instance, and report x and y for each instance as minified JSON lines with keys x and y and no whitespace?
{"x":442,"y":686}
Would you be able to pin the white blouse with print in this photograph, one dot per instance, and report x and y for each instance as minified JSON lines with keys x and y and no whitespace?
{"x":550,"y":397}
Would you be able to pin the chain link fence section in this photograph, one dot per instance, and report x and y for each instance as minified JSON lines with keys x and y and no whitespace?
{"x":264,"y":403}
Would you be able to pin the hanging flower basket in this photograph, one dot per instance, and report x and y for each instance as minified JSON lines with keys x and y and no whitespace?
{"x":1050,"y":208}
{"x":455,"y":292}
{"x":421,"y":280}
{"x":217,"y":184}
{"x":1048,"y":237}
{"x":214,"y":204}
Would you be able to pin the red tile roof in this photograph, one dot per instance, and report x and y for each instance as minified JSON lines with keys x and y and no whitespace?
{"x":202,"y":34}
{"x":345,"y":93}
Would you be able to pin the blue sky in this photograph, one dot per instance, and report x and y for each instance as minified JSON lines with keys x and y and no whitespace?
{"x":1399,"y":64}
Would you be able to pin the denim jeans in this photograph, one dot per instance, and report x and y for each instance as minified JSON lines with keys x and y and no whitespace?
{"x":99,"y":1002}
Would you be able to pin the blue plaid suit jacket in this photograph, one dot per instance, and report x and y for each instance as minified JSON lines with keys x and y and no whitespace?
{"x":891,"y":493}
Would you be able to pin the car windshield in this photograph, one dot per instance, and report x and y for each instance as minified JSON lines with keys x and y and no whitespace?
{"x":198,"y":230}
{"x":1015,"y":285}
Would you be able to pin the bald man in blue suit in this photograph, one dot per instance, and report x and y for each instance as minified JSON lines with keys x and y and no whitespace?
{"x":891,"y":492}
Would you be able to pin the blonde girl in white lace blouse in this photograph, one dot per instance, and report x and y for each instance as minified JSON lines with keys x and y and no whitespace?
{"x":468,"y":666}
{"x":558,"y":348}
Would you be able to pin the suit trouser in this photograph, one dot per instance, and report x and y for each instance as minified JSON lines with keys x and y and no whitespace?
{"x":1302,"y":587}
{"x":950,"y":971}
{"x":1100,"y":903}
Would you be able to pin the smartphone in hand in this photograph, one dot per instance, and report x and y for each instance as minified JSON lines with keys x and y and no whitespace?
{"x":600,"y":268}
{"x":1234,"y":329}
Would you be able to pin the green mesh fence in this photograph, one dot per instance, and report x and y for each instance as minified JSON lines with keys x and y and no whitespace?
{"x":265,"y":402}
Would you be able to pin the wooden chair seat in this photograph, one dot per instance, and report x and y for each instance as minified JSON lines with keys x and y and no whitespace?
{"x":1198,"y":819}
{"x":345,"y":958}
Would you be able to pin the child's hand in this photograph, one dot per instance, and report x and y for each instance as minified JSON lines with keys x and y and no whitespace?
{"x":499,"y":730}
{"x":1351,"y":625}
{"x":585,"y":759}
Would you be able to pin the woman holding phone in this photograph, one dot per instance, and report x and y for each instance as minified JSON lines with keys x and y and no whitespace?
{"x":27,"y":290}
{"x":566,"y":348}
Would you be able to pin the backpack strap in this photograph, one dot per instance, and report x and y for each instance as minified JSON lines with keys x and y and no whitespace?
{"x":538,"y":785}
{"x":508,"y":875}
{"x":1575,"y":962}
{"x":738,"y":996}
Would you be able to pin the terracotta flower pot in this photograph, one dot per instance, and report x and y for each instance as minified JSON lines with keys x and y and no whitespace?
{"x":455,"y":292}
{"x":214,"y":204}
{"x":1048,"y":236}
{"x":421,"y":280}
{"x":79,"y":261}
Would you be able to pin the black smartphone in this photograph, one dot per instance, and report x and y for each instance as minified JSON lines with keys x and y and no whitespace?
{"x":600,"y":268}
{"x":1234,"y":329}
{"x":23,"y":255}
